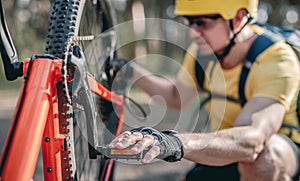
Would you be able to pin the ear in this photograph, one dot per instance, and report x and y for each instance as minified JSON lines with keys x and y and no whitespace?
{"x":238,"y":19}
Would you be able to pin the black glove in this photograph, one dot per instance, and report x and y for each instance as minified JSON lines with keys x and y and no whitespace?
{"x":171,"y":148}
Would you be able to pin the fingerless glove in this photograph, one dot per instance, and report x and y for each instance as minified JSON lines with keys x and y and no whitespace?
{"x":171,"y":148}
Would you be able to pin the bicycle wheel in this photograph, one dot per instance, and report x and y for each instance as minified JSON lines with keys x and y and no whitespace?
{"x":68,"y":19}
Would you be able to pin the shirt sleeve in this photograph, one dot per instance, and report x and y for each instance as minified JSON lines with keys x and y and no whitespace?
{"x":275,"y":74}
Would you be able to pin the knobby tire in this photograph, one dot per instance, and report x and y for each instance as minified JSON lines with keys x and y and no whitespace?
{"x":70,"y":18}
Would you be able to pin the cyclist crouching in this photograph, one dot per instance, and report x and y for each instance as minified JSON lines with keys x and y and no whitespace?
{"x":250,"y":144}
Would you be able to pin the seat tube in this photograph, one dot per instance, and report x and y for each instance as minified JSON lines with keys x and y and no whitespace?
{"x":34,"y":109}
{"x":55,"y":156}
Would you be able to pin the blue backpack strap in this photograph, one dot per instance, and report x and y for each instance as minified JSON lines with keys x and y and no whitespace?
{"x":291,"y":36}
{"x":261,"y":43}
{"x":200,"y":67}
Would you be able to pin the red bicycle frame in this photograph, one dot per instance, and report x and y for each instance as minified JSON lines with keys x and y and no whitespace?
{"x":36,"y":122}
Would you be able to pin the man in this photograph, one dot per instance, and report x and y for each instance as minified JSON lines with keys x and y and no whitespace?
{"x":247,"y":144}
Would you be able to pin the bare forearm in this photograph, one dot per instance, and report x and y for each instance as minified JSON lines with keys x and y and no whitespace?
{"x":237,"y":144}
{"x":223,"y":147}
{"x":154,"y":85}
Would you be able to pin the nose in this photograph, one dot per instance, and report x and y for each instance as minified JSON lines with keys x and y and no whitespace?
{"x":195,"y":31}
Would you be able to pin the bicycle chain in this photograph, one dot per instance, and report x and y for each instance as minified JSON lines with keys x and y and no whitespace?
{"x":66,"y":113}
{"x":66,"y":109}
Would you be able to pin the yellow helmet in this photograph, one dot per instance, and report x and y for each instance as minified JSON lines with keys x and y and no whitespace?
{"x":226,"y":8}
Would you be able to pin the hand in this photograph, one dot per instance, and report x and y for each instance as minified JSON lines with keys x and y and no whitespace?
{"x":162,"y":145}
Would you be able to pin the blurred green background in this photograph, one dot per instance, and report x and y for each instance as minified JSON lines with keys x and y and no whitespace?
{"x":28,"y":23}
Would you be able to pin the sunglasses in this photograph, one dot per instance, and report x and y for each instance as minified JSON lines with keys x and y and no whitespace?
{"x":202,"y":21}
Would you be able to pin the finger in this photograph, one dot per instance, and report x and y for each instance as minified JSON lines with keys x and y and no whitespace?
{"x":118,"y":138}
{"x":151,"y":154}
{"x":139,"y":136}
{"x":141,"y":145}
{"x":129,"y":140}
{"x":126,"y":139}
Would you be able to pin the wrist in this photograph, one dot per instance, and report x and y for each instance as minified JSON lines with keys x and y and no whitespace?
{"x":177,"y":153}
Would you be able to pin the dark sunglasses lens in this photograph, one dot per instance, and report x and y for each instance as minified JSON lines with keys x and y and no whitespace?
{"x":199,"y":22}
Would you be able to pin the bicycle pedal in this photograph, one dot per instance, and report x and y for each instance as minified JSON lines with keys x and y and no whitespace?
{"x":110,"y":153}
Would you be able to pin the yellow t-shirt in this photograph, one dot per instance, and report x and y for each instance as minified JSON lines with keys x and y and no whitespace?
{"x":274,"y":74}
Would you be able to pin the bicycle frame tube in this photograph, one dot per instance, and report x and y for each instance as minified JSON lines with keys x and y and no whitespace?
{"x":36,"y":121}
{"x":37,"y":107}
{"x":101,"y":91}
{"x":118,"y":100}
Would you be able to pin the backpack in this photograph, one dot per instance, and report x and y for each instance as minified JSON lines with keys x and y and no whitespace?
{"x":261,"y":43}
